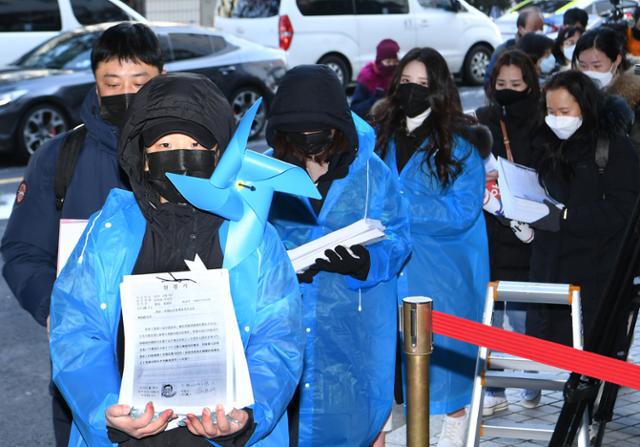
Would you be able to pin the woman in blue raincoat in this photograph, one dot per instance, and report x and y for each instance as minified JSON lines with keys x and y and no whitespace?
{"x":349,"y":299}
{"x":178,"y":123}
{"x":430,"y":145}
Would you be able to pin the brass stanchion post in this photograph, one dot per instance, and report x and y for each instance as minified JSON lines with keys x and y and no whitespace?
{"x":416,"y":319}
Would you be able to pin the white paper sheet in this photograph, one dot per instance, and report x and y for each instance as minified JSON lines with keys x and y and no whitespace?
{"x":521,"y":193}
{"x":182,"y":344}
{"x":362,"y":232}
{"x":69,"y":235}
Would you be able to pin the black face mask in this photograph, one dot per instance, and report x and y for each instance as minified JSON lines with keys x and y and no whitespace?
{"x":507,"y":97}
{"x":636,"y":33}
{"x":413,"y":98}
{"x":310,"y":143}
{"x":195,"y":163}
{"x":114,"y":108}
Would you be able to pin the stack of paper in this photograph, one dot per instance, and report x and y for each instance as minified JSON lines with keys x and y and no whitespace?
{"x":69,"y":235}
{"x":362,"y":232}
{"x":521,"y":194}
{"x":183,"y":349}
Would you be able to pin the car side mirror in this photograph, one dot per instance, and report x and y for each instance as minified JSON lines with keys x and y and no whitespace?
{"x":455,"y":6}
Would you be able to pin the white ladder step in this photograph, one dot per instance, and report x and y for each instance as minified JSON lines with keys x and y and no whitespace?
{"x":543,"y":381}
{"x":533,"y":432}
{"x":498,"y":360}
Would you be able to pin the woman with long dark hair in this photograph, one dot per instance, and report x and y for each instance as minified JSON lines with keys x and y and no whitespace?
{"x":513,"y":94}
{"x":598,"y":188}
{"x":435,"y":151}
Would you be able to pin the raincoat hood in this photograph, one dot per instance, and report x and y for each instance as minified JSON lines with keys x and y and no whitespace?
{"x":311,"y":95}
{"x":183,"y":96}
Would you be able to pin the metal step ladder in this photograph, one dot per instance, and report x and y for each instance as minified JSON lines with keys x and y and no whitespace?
{"x":542,"y":377}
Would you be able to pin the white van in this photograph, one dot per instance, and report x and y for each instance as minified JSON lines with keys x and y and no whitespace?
{"x":343,"y":34}
{"x":24,"y":24}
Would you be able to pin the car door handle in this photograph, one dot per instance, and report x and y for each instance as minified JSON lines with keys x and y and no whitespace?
{"x":226,"y":70}
{"x":423,"y":23}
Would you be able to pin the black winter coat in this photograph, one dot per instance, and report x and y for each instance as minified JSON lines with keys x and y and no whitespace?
{"x":508,"y":256}
{"x":599,"y":206}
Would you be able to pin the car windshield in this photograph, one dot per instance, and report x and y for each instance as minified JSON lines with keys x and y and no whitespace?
{"x":546,"y":6}
{"x":71,"y":51}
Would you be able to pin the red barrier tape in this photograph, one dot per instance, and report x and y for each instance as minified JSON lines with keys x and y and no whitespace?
{"x":536,"y":349}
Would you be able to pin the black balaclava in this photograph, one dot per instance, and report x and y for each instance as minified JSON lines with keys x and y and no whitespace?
{"x":189,"y":101}
{"x":310,"y":97}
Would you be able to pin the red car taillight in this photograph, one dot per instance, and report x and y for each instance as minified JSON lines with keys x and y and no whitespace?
{"x":285,"y":31}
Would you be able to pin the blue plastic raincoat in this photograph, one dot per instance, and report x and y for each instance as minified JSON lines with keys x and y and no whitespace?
{"x":85,"y":312}
{"x":449,"y":262}
{"x":346,"y":388}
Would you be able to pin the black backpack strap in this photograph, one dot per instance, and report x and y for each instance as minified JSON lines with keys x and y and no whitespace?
{"x":66,"y":164}
{"x":602,"y":154}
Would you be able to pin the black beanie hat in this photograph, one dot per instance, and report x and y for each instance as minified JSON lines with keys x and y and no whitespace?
{"x":310,"y":97}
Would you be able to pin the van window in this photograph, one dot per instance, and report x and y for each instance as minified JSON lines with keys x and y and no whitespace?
{"x":90,"y":12}
{"x":189,"y":46}
{"x":382,"y":6}
{"x":248,"y":9}
{"x":438,"y":4}
{"x":30,"y":15}
{"x":325,"y":7}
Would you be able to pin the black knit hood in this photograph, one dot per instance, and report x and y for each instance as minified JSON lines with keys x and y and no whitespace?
{"x":186,"y":96}
{"x":311,"y":95}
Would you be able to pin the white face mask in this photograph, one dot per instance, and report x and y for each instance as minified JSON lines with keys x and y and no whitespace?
{"x":602,"y":79}
{"x":548,"y":64}
{"x":563,"y":126}
{"x":568,"y":52}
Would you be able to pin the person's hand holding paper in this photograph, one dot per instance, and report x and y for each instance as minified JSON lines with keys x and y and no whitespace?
{"x":355,"y":263}
{"x":119,"y":416}
{"x":218,"y":425}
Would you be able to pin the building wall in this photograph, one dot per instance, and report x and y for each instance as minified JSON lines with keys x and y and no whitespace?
{"x":186,"y":11}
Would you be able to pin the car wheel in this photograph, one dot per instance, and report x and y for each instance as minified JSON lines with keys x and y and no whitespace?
{"x":241,"y":100}
{"x":41,"y":123}
{"x":475,"y":64}
{"x":338,"y":66}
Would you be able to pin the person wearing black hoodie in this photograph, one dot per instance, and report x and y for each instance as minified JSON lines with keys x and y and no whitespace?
{"x":514,"y":93}
{"x":349,"y":298}
{"x":124,"y":57}
{"x":578,"y":244}
{"x":177,"y":124}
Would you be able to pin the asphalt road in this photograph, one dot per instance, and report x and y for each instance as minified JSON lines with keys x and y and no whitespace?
{"x":25,"y":406}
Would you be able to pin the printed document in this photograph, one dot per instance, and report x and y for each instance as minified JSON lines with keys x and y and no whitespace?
{"x":183,"y":349}
{"x":521,"y":194}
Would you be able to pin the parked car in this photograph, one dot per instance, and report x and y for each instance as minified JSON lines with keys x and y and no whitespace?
{"x":344,"y":34}
{"x":553,"y":11}
{"x":41,"y":94}
{"x":28,"y":23}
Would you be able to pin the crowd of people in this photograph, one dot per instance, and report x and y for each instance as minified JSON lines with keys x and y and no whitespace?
{"x":320,"y":343}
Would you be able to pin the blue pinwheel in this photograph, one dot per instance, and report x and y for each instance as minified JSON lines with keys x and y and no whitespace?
{"x":241,"y":189}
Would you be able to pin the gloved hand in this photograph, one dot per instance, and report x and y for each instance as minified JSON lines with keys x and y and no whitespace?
{"x":307,"y":276}
{"x":550,"y":222}
{"x":523,"y":231}
{"x":343,"y":262}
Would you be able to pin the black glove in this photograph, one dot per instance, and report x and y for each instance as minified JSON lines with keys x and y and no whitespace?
{"x":343,"y":262}
{"x":550,"y":222}
{"x":307,"y":276}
